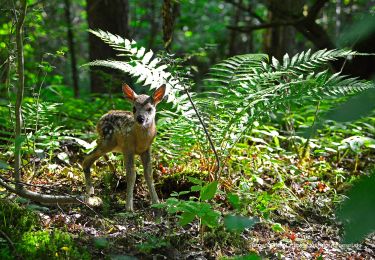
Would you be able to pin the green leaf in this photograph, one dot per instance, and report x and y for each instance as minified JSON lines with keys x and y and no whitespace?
{"x":183,"y":192}
{"x":63,"y":157}
{"x":251,"y":256}
{"x":286,"y":60}
{"x":4,"y":165}
{"x":275,"y":63}
{"x":277,"y":227}
{"x":358,"y":211}
{"x":208,"y":191}
{"x":196,"y":188}
{"x":186,"y":218}
{"x":211,"y":218}
{"x":195,"y":180}
{"x":101,"y":243}
{"x":159,"y":205}
{"x":234,"y":200}
{"x":238,"y":223}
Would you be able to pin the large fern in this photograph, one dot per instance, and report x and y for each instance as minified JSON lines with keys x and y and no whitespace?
{"x":249,"y":87}
{"x":240,"y":90}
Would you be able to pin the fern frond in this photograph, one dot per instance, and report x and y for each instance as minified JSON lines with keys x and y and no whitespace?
{"x":306,"y":62}
{"x":144,"y":67}
{"x":235,"y":68}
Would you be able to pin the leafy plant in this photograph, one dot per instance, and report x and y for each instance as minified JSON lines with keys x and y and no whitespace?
{"x":195,"y":207}
{"x":238,"y":223}
{"x":355,"y":144}
{"x":20,"y":224}
{"x":152,"y":243}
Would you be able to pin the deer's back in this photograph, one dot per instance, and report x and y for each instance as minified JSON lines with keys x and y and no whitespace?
{"x":115,"y":124}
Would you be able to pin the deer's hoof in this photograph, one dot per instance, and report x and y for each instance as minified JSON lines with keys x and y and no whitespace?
{"x":94,"y":201}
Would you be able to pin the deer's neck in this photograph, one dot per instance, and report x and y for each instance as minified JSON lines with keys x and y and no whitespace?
{"x":145,"y":131}
{"x":144,"y":135}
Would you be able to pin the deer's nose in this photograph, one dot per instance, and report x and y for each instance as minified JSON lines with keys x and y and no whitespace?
{"x":140,"y":119}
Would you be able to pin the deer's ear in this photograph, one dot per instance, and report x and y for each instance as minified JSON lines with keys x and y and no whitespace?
{"x":128,"y":92}
{"x":159,"y":94}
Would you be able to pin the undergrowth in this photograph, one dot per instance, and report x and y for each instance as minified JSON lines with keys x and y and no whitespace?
{"x":22,"y":236}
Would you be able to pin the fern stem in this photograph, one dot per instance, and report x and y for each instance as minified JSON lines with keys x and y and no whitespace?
{"x":206,"y":132}
{"x":304,"y":151}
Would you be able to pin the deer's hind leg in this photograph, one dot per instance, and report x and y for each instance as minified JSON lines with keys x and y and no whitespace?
{"x":104,"y":146}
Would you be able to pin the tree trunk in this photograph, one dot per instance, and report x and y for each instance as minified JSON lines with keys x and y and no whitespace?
{"x":233,"y":39}
{"x":73,"y":61}
{"x":153,"y":23}
{"x":170,"y":12}
{"x":111,"y":16}
{"x":282,"y":38}
{"x":20,"y":90}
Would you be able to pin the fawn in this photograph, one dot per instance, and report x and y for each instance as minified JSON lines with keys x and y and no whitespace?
{"x":129,"y":133}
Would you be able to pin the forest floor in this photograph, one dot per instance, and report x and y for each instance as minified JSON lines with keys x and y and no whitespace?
{"x":293,"y":200}
{"x":148,"y":233}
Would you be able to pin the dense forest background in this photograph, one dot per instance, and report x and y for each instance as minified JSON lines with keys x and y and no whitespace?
{"x":205,"y":32}
{"x":285,"y":90}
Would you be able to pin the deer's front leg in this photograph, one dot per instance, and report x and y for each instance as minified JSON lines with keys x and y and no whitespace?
{"x":130,"y":177}
{"x":147,"y":168}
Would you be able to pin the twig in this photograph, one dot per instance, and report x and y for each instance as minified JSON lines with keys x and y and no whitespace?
{"x":8,"y":239}
{"x":204,"y":128}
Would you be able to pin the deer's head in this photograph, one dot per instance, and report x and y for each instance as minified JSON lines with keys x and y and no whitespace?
{"x":144,"y":106}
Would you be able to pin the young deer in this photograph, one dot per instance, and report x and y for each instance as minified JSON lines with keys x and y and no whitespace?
{"x":129,"y":133}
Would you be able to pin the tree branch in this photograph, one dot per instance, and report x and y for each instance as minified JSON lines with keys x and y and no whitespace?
{"x":39,"y":197}
{"x":264,"y":25}
{"x":307,"y":26}
{"x":247,"y":9}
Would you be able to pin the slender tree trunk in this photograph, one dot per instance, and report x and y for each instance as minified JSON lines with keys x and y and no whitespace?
{"x":73,"y":60}
{"x":20,"y":91}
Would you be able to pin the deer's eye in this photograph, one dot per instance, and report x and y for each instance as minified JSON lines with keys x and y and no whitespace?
{"x":149,"y":109}
{"x":134,"y":110}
